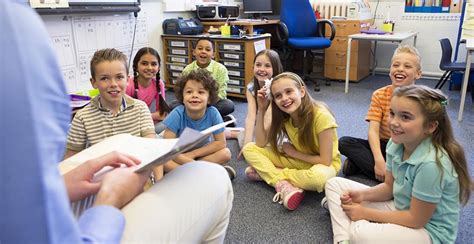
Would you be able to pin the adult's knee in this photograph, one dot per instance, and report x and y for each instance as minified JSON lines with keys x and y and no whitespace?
{"x":208,"y":170}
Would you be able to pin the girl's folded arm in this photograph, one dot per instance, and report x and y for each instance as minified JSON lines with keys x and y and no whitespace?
{"x":325,"y":150}
{"x":416,"y":217}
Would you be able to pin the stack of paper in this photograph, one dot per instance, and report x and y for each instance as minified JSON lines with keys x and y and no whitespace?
{"x":468,"y":23}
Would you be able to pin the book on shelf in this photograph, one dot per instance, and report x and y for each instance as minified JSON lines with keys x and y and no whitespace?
{"x":151,"y":151}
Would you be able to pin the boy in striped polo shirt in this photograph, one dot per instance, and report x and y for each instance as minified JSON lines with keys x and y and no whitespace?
{"x":368,"y":156}
{"x":112,"y":112}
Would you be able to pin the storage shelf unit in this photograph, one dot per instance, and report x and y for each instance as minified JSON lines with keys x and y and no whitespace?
{"x":237,"y":54}
{"x":335,"y":56}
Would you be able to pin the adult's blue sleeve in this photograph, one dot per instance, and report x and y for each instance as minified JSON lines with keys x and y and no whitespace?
{"x":35,"y":113}
{"x":103,"y":224}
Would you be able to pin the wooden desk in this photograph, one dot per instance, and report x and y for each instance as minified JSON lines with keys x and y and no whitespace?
{"x":394,"y":37}
{"x":335,"y":55}
{"x":465,"y":81}
{"x":247,"y":24}
{"x":236,"y":53}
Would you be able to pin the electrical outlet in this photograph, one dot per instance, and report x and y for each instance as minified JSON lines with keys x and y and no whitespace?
{"x":378,"y":16}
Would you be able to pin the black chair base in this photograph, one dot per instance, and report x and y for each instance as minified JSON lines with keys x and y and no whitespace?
{"x":443,"y":79}
{"x":288,"y":58}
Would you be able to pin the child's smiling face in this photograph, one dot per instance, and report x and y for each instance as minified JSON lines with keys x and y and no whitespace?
{"x":286,"y":95}
{"x":195,"y":96}
{"x":407,"y":123}
{"x":262,"y":68}
{"x":111,"y":80}
{"x":148,"y":66}
{"x":404,"y":70}
{"x":203,"y":53}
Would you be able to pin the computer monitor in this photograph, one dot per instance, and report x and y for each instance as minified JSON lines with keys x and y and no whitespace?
{"x":257,"y":6}
{"x":276,"y":5}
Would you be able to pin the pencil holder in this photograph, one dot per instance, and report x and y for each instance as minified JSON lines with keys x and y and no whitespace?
{"x":387,"y":27}
{"x":225,"y":30}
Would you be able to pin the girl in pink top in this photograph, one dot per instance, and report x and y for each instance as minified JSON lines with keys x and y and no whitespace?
{"x":147,"y":86}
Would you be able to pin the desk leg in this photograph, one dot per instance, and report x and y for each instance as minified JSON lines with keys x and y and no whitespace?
{"x":348,"y":64}
{"x":248,"y":29}
{"x":464,"y":83}
{"x":374,"y":60}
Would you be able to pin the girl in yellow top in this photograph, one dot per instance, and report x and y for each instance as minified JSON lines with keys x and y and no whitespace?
{"x":303,"y":152}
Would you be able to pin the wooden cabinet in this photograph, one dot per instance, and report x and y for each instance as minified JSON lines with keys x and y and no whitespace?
{"x":335,"y":57}
{"x":237,"y":54}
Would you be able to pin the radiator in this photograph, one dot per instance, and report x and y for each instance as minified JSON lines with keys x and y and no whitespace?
{"x":330,"y":8}
{"x":352,"y":9}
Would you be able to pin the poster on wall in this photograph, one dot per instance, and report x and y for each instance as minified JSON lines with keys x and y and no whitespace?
{"x":433,"y":6}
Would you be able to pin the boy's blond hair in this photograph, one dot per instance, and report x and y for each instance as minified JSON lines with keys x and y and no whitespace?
{"x":108,"y":54}
{"x":411,"y":50}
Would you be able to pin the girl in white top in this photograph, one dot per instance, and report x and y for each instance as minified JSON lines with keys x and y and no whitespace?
{"x":266,"y":65}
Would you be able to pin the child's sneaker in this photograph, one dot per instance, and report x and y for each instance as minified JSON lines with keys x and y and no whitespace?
{"x":230,"y":171}
{"x":288,"y":195}
{"x":324,"y":203}
{"x":241,"y":139}
{"x":252,"y":174}
{"x":230,"y":117}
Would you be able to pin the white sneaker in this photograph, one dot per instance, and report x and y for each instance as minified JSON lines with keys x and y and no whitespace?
{"x":241,"y":139}
{"x":324,"y":203}
{"x":228,"y":118}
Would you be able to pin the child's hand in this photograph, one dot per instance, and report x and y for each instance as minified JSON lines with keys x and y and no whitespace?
{"x":379,"y":169}
{"x":288,"y":149}
{"x":351,"y":196}
{"x":268,"y":83}
{"x":240,"y":154}
{"x":345,"y":198}
{"x":163,"y":114}
{"x":158,"y":116}
{"x":354,"y":211}
{"x":262,"y":100}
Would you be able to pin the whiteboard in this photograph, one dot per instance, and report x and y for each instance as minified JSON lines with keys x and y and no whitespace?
{"x":75,"y":38}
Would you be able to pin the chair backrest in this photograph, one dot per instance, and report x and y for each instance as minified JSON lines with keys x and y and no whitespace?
{"x":299,"y":17}
{"x":446,"y":53}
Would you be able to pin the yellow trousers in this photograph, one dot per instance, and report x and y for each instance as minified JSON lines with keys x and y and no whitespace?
{"x":273,"y":168}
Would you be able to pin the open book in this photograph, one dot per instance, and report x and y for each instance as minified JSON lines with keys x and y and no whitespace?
{"x":152,"y":152}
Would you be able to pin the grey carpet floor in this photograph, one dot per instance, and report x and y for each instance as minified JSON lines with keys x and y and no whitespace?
{"x":256,"y":219}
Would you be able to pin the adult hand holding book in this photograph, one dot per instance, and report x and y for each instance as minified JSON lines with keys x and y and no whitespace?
{"x":151,"y":152}
{"x":78,"y":181}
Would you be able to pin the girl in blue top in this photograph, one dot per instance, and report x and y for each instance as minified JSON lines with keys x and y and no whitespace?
{"x":426,"y":179}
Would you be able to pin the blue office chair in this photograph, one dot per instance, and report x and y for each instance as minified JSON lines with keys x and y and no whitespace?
{"x":447,"y":65}
{"x":299,"y":30}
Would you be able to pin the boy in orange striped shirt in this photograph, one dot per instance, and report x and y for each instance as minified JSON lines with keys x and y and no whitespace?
{"x":368,"y":156}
